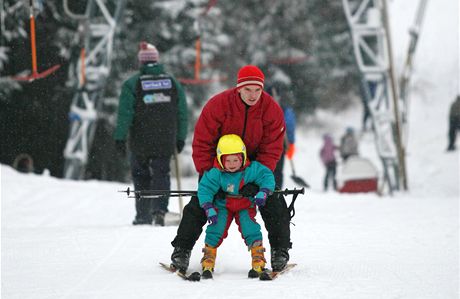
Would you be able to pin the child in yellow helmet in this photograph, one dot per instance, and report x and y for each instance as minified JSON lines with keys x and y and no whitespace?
{"x":231,"y":170}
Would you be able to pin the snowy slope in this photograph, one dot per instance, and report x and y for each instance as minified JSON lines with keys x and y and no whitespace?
{"x":67,"y":239}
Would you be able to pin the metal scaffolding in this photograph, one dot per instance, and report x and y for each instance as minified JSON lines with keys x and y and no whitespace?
{"x":97,"y":29}
{"x":371,"y":42}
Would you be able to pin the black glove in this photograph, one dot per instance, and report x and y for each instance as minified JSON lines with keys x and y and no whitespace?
{"x":249,"y":190}
{"x":120,"y":146}
{"x":220,"y":194}
{"x":180,"y":146}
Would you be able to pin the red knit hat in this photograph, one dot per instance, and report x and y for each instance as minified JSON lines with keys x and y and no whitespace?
{"x":250,"y":75}
{"x":147,"y":53}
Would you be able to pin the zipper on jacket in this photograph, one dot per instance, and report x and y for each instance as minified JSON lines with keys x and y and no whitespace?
{"x":245,"y":120}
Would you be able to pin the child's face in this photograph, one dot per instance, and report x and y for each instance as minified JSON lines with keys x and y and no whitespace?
{"x":232,"y":163}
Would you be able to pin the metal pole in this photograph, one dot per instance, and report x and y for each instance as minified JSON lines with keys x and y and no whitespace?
{"x":32,"y":38}
{"x":179,"y":188}
{"x":400,"y":148}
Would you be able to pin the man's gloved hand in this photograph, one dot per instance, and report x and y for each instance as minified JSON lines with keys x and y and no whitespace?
{"x":261,"y":197}
{"x":180,"y":145}
{"x":290,"y":151}
{"x":220,"y":194}
{"x":120,"y":146}
{"x":211,"y":212}
{"x":249,"y":190}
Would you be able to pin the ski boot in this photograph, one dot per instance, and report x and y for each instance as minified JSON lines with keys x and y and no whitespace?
{"x":159,"y":218}
{"x":279,"y":258}
{"x":258,"y":260}
{"x":142,"y":220}
{"x":180,"y":259}
{"x":208,"y":261}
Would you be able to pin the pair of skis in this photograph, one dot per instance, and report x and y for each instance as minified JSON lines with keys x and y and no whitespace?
{"x":196,"y":276}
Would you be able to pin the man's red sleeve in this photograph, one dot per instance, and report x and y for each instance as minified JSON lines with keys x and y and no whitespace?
{"x":271,"y":147}
{"x":205,"y":139}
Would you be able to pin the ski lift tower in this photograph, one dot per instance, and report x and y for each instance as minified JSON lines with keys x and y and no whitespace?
{"x":368,"y":24}
{"x":97,"y":28}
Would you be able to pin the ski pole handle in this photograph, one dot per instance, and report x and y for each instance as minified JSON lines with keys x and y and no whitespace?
{"x":290,"y":192}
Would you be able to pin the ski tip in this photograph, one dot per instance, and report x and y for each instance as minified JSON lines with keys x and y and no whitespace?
{"x":270,"y":275}
{"x":266,"y":275}
{"x":207,"y":274}
{"x":195,"y":276}
{"x":164,"y":265}
{"x":167,"y":267}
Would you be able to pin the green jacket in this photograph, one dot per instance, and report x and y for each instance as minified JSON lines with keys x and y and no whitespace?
{"x":127,"y":101}
{"x":454,"y":113}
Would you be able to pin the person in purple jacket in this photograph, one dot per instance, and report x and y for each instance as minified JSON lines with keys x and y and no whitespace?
{"x":327,"y":154}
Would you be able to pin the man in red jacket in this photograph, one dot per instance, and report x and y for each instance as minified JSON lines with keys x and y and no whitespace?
{"x":249,"y":112}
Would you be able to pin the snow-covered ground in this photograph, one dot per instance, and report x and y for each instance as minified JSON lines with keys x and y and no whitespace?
{"x":68,"y":239}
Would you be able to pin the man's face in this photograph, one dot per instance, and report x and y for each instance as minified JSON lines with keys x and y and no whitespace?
{"x":250,"y":94}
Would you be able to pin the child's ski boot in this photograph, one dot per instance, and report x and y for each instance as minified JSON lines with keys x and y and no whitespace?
{"x":208,"y":261}
{"x":258,"y":260}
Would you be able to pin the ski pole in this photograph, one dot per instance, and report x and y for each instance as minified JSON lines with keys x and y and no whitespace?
{"x":176,"y":193}
{"x":176,"y":163}
{"x":158,"y":196}
{"x":128,"y":191}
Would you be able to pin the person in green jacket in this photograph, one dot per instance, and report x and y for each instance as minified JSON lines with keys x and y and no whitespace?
{"x":152,"y":110}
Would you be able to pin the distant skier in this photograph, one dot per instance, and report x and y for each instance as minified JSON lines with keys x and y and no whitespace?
{"x":153,"y":109}
{"x":231,"y":170}
{"x":327,"y":154}
{"x":454,"y":123}
{"x":281,"y":94}
{"x":348,"y":144}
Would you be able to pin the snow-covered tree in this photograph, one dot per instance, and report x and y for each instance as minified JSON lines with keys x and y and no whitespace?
{"x":303,"y":43}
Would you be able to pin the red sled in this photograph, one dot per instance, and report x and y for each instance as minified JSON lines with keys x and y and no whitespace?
{"x":358,"y":175}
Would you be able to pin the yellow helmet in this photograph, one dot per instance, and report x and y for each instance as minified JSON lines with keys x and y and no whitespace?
{"x":230,"y":144}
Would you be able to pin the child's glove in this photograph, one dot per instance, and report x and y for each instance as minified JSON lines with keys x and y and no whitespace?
{"x":211,"y":212}
{"x":290,"y":151}
{"x":261,"y":197}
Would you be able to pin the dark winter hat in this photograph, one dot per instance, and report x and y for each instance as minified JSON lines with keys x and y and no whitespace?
{"x":147,"y":53}
{"x":250,"y":75}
